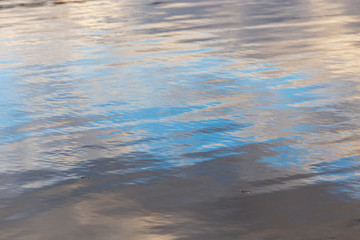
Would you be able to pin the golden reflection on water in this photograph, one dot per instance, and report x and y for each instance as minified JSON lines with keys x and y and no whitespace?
{"x":323,"y":48}
{"x":221,"y":96}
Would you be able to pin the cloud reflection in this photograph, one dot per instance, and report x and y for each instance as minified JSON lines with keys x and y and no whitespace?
{"x":226,"y":94}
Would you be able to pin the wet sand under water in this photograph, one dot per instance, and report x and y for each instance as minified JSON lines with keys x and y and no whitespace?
{"x":200,"y":202}
{"x":191,"y":207}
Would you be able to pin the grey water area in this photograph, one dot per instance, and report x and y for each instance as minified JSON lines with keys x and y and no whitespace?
{"x":179,"y":119}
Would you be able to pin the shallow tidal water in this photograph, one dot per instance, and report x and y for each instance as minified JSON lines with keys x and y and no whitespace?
{"x":179,"y":119}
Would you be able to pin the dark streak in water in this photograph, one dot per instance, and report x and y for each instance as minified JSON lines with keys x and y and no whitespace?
{"x":31,"y":4}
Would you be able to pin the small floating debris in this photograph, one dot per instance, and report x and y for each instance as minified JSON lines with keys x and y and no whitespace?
{"x":247,"y":191}
{"x":85,"y":178}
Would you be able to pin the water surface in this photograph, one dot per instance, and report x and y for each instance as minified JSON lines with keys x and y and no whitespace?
{"x":173,"y":108}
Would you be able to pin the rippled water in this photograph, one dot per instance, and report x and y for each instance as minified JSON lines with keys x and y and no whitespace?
{"x":173,"y":108}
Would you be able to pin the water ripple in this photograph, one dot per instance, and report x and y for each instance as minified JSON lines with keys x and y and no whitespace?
{"x":266,"y":91}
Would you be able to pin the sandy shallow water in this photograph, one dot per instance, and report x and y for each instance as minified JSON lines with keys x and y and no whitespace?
{"x":179,"y":120}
